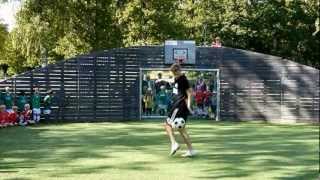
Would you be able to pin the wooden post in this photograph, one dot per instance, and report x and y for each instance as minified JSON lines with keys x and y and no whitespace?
{"x":62,"y":99}
{"x":95,"y":88}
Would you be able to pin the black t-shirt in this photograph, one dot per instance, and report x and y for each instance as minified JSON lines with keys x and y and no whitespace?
{"x":180,"y":87}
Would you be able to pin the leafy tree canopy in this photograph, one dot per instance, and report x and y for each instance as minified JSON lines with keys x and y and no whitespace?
{"x":68,"y":28}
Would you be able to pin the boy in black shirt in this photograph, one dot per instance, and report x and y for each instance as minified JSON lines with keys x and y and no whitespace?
{"x":181,"y":107}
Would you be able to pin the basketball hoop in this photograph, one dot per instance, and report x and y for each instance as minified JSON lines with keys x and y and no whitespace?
{"x":182,"y":52}
{"x":180,"y":55}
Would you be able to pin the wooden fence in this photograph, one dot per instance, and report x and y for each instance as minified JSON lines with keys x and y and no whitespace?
{"x":104,"y":86}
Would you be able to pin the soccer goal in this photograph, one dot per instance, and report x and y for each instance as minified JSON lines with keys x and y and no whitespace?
{"x":156,"y":85}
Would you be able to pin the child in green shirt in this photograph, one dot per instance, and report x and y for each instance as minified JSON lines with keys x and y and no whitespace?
{"x":1,"y":98}
{"x":8,"y":100}
{"x":21,"y":101}
{"x":35,"y":103}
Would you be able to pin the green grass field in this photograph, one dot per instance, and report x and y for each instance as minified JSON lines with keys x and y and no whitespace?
{"x":139,"y":151}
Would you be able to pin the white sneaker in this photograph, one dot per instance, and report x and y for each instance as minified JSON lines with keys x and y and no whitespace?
{"x":189,"y":153}
{"x":31,"y":122}
{"x":174,"y":148}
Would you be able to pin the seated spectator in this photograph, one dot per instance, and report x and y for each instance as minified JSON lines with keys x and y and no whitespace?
{"x":216,"y":43}
{"x":25,"y":116}
{"x":3,"y":116}
{"x":13,"y":116}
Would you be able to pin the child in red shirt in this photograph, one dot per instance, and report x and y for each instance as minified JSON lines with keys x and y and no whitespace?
{"x":199,"y":98}
{"x":13,"y":116}
{"x":199,"y":101}
{"x":207,"y":99}
{"x":25,"y":116}
{"x":3,"y":116}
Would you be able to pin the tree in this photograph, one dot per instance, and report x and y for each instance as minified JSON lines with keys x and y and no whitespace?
{"x":67,"y":28}
{"x":148,"y":22}
{"x":64,"y":29}
{"x":3,"y":36}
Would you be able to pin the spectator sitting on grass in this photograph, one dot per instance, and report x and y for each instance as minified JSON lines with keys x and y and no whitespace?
{"x":25,"y":116}
{"x":13,"y":116}
{"x":3,"y":116}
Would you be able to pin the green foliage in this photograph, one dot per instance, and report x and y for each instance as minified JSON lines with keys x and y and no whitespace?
{"x":67,"y":28}
{"x":148,"y":22}
{"x":71,"y":45}
{"x":3,"y":37}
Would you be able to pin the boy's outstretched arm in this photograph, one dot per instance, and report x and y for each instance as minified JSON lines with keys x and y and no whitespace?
{"x":189,"y":94}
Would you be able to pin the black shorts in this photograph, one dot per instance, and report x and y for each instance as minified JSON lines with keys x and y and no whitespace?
{"x":182,"y":107}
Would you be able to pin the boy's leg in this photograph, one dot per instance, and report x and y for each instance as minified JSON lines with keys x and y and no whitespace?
{"x":174,"y":145}
{"x":186,"y":138}
{"x":170,"y":133}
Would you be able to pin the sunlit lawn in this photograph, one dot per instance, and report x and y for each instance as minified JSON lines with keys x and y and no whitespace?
{"x":139,"y":151}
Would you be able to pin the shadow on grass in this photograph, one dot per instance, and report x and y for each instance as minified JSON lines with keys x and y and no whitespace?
{"x":250,"y":149}
{"x":235,"y":149}
{"x":55,"y":145}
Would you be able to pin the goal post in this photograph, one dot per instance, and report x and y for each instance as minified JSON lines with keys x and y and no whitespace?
{"x":150,"y":76}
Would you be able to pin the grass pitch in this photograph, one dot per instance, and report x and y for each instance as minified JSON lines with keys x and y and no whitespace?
{"x":139,"y":151}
